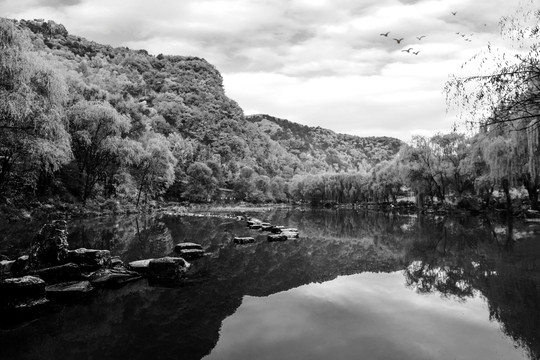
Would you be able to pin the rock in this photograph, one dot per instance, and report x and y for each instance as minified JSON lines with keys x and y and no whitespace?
{"x":167,"y":270}
{"x":277,"y":237}
{"x":113,"y":277}
{"x":243,"y":240}
{"x":90,"y":259}
{"x":187,"y":246}
{"x":60,"y":273}
{"x":116,"y":262}
{"x":253,"y":221}
{"x":255,"y":226}
{"x":290,"y":234}
{"x":22,"y":294}
{"x":140,"y":266}
{"x":5,"y":268}
{"x":276,"y":229}
{"x":191,"y":254}
{"x":67,"y":291}
{"x":49,"y":247}
{"x":266,"y":227}
{"x":21,"y":265}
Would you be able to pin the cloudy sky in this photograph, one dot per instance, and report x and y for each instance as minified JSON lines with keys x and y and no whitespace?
{"x":315,"y":62}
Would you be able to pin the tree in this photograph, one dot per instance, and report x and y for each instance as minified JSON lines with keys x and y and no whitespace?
{"x":201,"y":184}
{"x":33,"y":138}
{"x":96,"y":129}
{"x":504,"y":97}
{"x":155,"y":165}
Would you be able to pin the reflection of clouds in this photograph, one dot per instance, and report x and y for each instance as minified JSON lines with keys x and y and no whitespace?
{"x":366,"y":315}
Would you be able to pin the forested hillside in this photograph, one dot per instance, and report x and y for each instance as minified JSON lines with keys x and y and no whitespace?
{"x":323,"y":148}
{"x":81,"y":121}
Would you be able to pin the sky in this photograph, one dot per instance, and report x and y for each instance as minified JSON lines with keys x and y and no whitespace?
{"x":314,"y":62}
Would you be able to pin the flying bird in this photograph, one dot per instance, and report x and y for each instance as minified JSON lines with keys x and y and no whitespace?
{"x":454,"y":12}
{"x":408,"y":50}
{"x":399,"y":40}
{"x":421,"y":37}
{"x":385,"y":34}
{"x":416,"y":52}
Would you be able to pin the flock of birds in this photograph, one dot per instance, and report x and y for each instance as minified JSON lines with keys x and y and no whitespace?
{"x":410,"y":50}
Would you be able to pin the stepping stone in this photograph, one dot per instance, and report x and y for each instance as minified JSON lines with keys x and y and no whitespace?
{"x":70,"y":290}
{"x":244,"y":240}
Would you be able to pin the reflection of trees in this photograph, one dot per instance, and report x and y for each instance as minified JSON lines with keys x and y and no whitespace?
{"x":488,"y":260}
{"x":448,"y":280}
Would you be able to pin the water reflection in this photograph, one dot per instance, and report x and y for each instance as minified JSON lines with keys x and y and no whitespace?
{"x":444,"y":259}
{"x":356,"y":317}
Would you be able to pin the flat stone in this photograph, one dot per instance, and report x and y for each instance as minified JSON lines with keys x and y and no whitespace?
{"x":290,"y":234}
{"x":276,"y":229}
{"x":90,"y":259}
{"x":191,"y":254}
{"x":167,"y":269}
{"x":276,"y":237}
{"x":113,"y":277}
{"x":70,"y":290}
{"x":60,"y":273}
{"x":186,"y":246}
{"x":244,"y":240}
{"x":140,"y":266}
{"x":17,"y":291}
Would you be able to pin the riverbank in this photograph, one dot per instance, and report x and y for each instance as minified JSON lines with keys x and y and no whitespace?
{"x":14,"y":210}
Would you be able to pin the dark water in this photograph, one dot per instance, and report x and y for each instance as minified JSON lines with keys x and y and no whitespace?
{"x":354,"y":286}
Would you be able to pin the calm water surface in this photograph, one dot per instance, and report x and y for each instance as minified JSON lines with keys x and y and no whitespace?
{"x":354,"y":286}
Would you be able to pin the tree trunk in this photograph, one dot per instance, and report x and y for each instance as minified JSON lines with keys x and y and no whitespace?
{"x":532,"y":190}
{"x":506,"y":189}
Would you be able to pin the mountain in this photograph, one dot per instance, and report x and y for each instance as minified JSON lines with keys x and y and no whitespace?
{"x":339,"y":152}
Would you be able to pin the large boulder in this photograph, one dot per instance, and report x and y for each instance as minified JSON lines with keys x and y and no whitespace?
{"x":90,"y":259}
{"x":49,"y":247}
{"x":167,"y":270}
{"x":60,"y":273}
{"x":22,"y":296}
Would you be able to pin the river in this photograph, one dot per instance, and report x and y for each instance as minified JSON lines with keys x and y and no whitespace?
{"x":355,"y":285}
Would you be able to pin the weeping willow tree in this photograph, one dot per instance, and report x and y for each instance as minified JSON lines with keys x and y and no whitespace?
{"x":34,"y":142}
{"x":503,"y":99}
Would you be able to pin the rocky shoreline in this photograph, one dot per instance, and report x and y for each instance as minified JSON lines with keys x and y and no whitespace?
{"x":51,"y":273}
